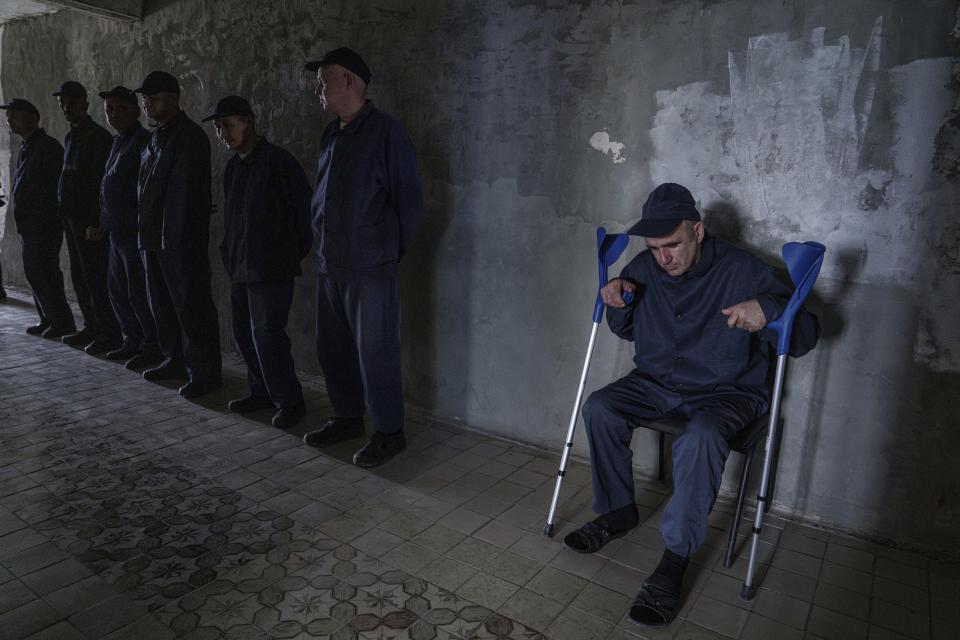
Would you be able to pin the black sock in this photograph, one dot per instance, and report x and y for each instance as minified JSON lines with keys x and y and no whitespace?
{"x":669,"y":573}
{"x":618,"y":520}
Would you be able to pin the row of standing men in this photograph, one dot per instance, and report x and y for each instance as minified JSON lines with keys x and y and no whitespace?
{"x":135,"y":211}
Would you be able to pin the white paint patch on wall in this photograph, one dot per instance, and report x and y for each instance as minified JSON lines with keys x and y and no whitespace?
{"x":601,"y":142}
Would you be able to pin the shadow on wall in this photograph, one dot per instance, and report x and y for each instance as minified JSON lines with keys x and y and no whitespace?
{"x":724,"y":220}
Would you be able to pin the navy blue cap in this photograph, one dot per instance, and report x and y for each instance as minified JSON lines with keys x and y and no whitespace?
{"x":120,"y":92}
{"x":229,"y":106}
{"x":19,"y":104}
{"x":668,"y":206}
{"x":71,"y":89}
{"x":158,"y":81}
{"x":346,"y":58}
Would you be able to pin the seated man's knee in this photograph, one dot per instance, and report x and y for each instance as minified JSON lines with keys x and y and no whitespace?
{"x":702,"y":429}
{"x":595,"y":409}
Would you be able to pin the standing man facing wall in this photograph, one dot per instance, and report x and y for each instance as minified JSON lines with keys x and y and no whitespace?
{"x":127,"y":282}
{"x":86,"y":148}
{"x":366,"y":205}
{"x":39,"y":162}
{"x":175,"y":207}
{"x":266,"y":235}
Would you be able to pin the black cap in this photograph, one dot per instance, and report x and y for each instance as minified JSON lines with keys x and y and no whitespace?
{"x":229,"y":106}
{"x":158,"y":81}
{"x":346,"y":58}
{"x":19,"y":104}
{"x":120,"y":92}
{"x":668,"y":206}
{"x":71,"y":89}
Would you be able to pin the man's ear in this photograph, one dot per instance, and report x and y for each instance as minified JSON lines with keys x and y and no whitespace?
{"x":698,"y":231}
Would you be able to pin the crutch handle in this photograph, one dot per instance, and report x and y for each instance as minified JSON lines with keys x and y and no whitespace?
{"x":628,"y":297}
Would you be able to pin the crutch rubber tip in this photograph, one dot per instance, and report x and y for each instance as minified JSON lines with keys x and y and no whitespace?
{"x":747,"y":593}
{"x":548,"y":530}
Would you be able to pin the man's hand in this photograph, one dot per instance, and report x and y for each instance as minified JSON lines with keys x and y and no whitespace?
{"x":612,"y":292}
{"x":93,"y":233}
{"x":746,"y":315}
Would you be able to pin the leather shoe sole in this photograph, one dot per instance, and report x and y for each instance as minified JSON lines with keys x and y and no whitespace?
{"x":166,"y":372}
{"x":250,"y":404}
{"x":288,"y":417}
{"x":57,"y":333}
{"x":197,"y":389}
{"x":333,"y":431}
{"x":380,"y":449}
{"x":144,"y":361}
{"x":78,"y":339}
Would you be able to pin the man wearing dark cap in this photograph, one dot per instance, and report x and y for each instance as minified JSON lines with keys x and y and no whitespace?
{"x":34,"y":202}
{"x":698,"y":325}
{"x":127,"y":282}
{"x":85,"y":154}
{"x":266,"y":235}
{"x":175,"y":202}
{"x":366,"y":205}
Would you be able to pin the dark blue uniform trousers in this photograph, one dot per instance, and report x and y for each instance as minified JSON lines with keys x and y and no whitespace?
{"x":699,"y":454}
{"x":260,"y":313}
{"x":358,"y":346}
{"x":182,"y":305}
{"x":41,"y":266}
{"x":88,"y":272}
{"x":127,"y":286}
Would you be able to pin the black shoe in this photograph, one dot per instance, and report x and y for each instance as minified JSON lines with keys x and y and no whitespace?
{"x":289,"y":416}
{"x":380,"y":448}
{"x":79,"y":339}
{"x":124,"y":353}
{"x":3,"y":293}
{"x":38,"y":329}
{"x":335,"y":430}
{"x":144,"y":360}
{"x":102,"y":345}
{"x":166,"y":371}
{"x":249,"y":404}
{"x":54,"y":332}
{"x":590,"y":538}
{"x":197,"y":388}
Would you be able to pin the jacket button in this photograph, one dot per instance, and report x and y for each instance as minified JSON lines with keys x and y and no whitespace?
{"x":679,"y":316}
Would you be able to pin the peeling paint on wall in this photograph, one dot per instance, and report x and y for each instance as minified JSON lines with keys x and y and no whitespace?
{"x":785,"y":147}
{"x":601,"y":142}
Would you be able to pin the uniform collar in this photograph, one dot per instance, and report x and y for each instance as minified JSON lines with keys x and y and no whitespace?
{"x":354,"y":124}
{"x":254,"y":153}
{"x":38,"y":133}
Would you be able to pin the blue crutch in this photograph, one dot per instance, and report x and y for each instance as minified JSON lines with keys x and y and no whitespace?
{"x":803,"y":261}
{"x":609,"y":248}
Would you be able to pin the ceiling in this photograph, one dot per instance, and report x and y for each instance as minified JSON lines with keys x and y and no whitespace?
{"x":117,"y":9}
{"x":16,"y":9}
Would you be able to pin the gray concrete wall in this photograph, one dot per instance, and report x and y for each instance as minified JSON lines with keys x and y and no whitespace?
{"x":537,"y":121}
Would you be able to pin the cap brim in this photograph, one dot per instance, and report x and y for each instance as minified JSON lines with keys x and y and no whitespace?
{"x":212,"y":116}
{"x":313,"y":65}
{"x":654,"y":228}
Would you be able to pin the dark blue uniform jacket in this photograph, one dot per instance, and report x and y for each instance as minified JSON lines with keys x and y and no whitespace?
{"x":118,"y":190}
{"x":683,"y":345}
{"x":175,"y":186}
{"x":266,"y":215}
{"x":86,"y":148}
{"x":35,"y":179}
{"x":367,"y":201}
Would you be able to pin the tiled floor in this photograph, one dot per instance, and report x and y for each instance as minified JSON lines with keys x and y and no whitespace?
{"x":127,"y":512}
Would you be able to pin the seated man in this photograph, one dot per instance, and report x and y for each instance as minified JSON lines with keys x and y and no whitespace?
{"x":697,"y":323}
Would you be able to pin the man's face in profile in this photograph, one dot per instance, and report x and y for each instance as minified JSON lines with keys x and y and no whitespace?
{"x":680,"y":250}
